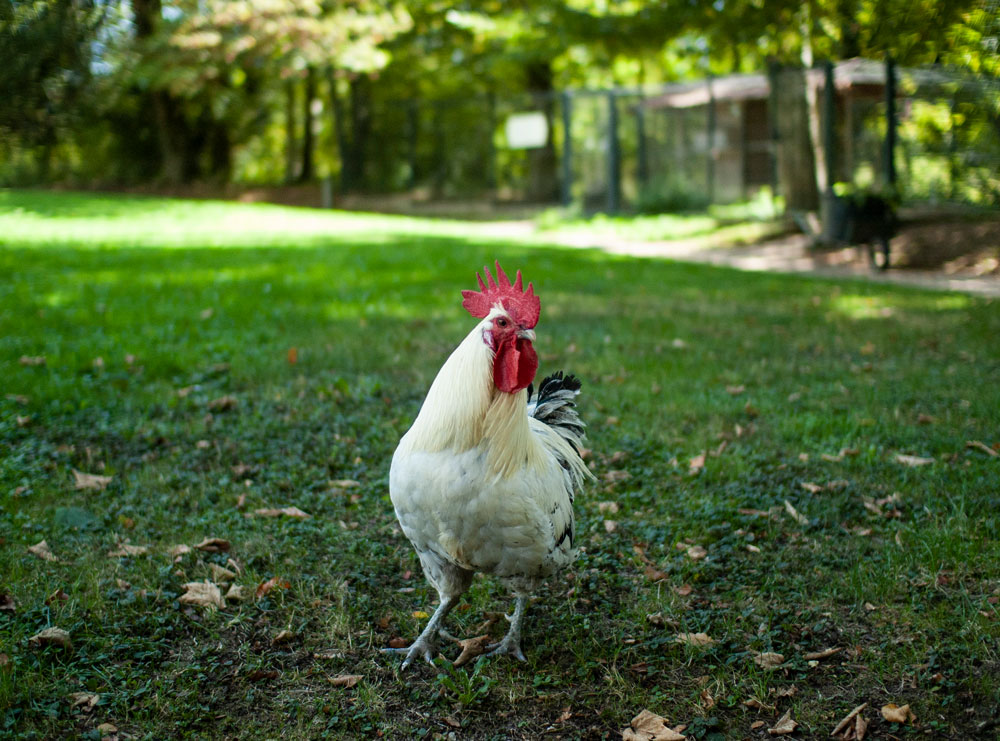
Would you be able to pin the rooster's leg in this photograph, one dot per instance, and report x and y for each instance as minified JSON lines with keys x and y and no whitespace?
{"x":511,"y":643}
{"x":426,"y":644}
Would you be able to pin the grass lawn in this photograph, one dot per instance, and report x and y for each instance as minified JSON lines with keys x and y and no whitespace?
{"x":214,"y":359}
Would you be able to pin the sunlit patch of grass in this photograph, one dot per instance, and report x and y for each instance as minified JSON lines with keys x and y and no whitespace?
{"x":753,"y":371}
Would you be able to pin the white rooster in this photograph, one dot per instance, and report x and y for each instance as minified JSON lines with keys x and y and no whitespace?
{"x":484,"y":479}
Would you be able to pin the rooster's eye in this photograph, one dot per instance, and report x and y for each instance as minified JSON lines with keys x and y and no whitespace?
{"x":501,"y":322}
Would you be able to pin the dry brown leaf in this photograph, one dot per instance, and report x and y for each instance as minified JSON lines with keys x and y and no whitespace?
{"x":977,"y":445}
{"x":609,"y":507}
{"x":758,"y":705}
{"x":768,"y":660}
{"x":32,"y":360}
{"x":344,"y":483}
{"x":752,"y":548}
{"x":696,"y":553}
{"x":42,"y":551}
{"x":293,"y":355}
{"x":328,"y":654}
{"x":846,"y":720}
{"x":735,"y":390}
{"x":795,"y":514}
{"x":757,"y":724}
{"x":18,"y":398}
{"x":610,"y":526}
{"x":694,"y":639}
{"x":683,"y":590}
{"x":83,"y":700}
{"x":126,"y":549}
{"x":202,"y":594}
{"x":824,"y":654}
{"x":108,"y":731}
{"x":345,"y":680}
{"x":270,"y":584}
{"x":789,"y":691}
{"x":913,"y":460}
{"x":283,"y":637}
{"x":4,"y":661}
{"x":898,"y":713}
{"x":23,"y":421}
{"x":235,"y":593}
{"x":613,"y":477}
{"x":6,"y":603}
{"x":451,"y":720}
{"x":811,"y":487}
{"x":214,"y":545}
{"x":286,"y":511}
{"x":90,"y":481}
{"x":221,"y":573}
{"x":177,"y":552}
{"x":654,"y":574}
{"x":696,"y":464}
{"x":52,"y":637}
{"x":471,"y":648}
{"x":223,"y":403}
{"x":647,"y":726}
{"x":784,"y":726}
{"x":56,"y":597}
{"x":707,"y":701}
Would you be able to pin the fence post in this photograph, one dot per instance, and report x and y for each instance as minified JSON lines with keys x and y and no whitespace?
{"x":640,"y":133}
{"x":567,"y":148}
{"x":710,"y":172}
{"x":890,"y":122}
{"x":614,"y":156}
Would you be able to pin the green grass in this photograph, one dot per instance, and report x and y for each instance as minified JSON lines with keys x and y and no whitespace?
{"x":186,"y":303}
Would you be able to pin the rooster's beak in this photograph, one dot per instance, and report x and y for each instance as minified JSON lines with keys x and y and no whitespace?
{"x":527,"y":334}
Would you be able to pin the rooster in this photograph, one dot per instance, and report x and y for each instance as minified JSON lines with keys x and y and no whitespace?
{"x":484,"y":479}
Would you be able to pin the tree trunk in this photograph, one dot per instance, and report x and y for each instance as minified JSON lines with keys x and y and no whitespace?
{"x":291,"y":157}
{"x":306,"y":171}
{"x":339,"y":129}
{"x":543,"y":177}
{"x":796,"y":166}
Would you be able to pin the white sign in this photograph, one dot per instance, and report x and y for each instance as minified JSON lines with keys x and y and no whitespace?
{"x":527,"y":130}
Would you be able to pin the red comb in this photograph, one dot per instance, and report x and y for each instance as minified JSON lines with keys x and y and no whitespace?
{"x":522,"y":305}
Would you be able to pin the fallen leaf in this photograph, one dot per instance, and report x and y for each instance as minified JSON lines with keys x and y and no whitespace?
{"x":912,"y":460}
{"x":293,"y":355}
{"x":795,"y":514}
{"x":23,"y":421}
{"x":753,"y":702}
{"x":654,"y":574}
{"x":811,"y":487}
{"x":52,"y":637}
{"x":397,"y":642}
{"x":610,"y":526}
{"x":221,"y":573}
{"x":824,"y":654}
{"x":223,"y":403}
{"x":869,"y":607}
{"x":757,"y":724}
{"x":345,"y":680}
{"x":696,"y":553}
{"x":977,"y":445}
{"x":784,"y":726}
{"x":126,"y":549}
{"x":868,"y":348}
{"x":694,"y":639}
{"x":18,"y":398}
{"x":647,"y":726}
{"x":328,"y":654}
{"x":177,"y":552}
{"x":926,"y":419}
{"x":696,"y":464}
{"x":286,"y":511}
{"x":235,"y":593}
{"x":90,"y":480}
{"x":4,"y":661}
{"x":6,"y":603}
{"x":344,"y":483}
{"x":32,"y":360}
{"x":898,"y":714}
{"x":420,"y":615}
{"x":206,"y":313}
{"x":613,"y":477}
{"x":83,"y":700}
{"x":736,"y":390}
{"x":769,"y":660}
{"x":609,"y":507}
{"x":214,"y":545}
{"x":789,"y":691}
{"x":42,"y":551}
{"x":452,"y":721}
{"x":283,"y":637}
{"x":259,"y":674}
{"x":846,"y":720}
{"x":752,"y":548}
{"x":202,"y":594}
{"x":683,"y":590}
{"x":106,"y":730}
{"x":707,"y":701}
{"x":56,"y":597}
{"x":471,"y":648}
{"x":270,"y":584}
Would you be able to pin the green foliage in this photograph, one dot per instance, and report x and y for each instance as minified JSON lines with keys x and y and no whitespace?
{"x":187,"y":303}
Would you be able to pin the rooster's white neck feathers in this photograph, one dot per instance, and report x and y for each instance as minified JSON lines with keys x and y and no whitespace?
{"x":478,"y":416}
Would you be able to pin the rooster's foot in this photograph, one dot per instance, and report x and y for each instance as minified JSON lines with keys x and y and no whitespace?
{"x":510,"y":645}
{"x":419,"y":648}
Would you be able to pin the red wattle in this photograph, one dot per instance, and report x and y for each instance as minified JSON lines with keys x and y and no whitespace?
{"x":514,"y":366}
